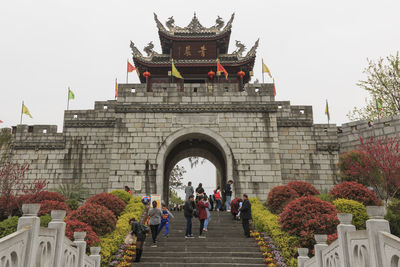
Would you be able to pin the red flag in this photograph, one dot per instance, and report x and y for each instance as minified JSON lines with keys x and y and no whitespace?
{"x":274,"y":87}
{"x":221,"y":68}
{"x":1,"y":121}
{"x":130,"y":67}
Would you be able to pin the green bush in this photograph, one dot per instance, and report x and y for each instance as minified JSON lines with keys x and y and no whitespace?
{"x":393,"y":216}
{"x":73,"y":204}
{"x":110,"y":243}
{"x":8,"y":226}
{"x":356,"y":208}
{"x":122,"y":194}
{"x":325,"y":197}
{"x":265,"y":221}
{"x":44,"y":220}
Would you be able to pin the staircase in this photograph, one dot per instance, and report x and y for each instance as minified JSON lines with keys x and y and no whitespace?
{"x":224,"y":245}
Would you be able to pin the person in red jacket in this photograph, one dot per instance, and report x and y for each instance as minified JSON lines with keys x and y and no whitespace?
{"x":201,"y":208}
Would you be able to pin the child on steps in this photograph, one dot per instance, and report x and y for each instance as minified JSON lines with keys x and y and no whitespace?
{"x":165,"y":220}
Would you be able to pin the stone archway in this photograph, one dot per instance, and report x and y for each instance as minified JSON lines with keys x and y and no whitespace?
{"x":194,"y":142}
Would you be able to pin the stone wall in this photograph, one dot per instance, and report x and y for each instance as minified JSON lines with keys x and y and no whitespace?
{"x":259,"y":142}
{"x":349,"y":133}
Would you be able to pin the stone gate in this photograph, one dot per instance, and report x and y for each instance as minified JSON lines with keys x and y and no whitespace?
{"x":137,"y":139}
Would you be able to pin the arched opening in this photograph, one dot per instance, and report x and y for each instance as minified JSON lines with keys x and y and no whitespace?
{"x":192,"y":142}
{"x":195,"y":170}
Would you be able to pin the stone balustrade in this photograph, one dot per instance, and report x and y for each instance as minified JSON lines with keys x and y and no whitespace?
{"x":32,"y":245}
{"x":374,"y":246}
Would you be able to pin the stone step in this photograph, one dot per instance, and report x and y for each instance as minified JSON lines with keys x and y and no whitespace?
{"x":155,"y":264}
{"x":206,"y":254}
{"x":184,"y":259}
{"x":196,"y":248}
{"x":202,"y":241}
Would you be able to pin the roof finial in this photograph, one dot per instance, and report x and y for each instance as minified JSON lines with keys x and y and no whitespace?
{"x":195,"y":14}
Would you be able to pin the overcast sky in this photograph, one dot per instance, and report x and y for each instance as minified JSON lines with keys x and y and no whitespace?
{"x":316,"y":50}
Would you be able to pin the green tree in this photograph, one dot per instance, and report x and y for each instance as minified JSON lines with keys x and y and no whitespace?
{"x":383,"y":86}
{"x":176,"y":177}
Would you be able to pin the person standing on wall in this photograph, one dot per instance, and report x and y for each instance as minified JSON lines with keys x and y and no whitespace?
{"x":201,"y":208}
{"x":228,"y":195}
{"x":218,"y":199}
{"x":189,"y":191}
{"x":245,"y":215}
{"x":154,"y":221}
{"x":188,"y":210}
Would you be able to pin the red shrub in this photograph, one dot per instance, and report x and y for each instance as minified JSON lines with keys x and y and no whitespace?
{"x":8,"y":207}
{"x":47,"y":195}
{"x":355,"y":191}
{"x":307,"y":216}
{"x":113,"y":203}
{"x":101,"y":219}
{"x":279,"y":197}
{"x":303,"y":188}
{"x":76,"y":226}
{"x":46,"y":206}
{"x":331,"y":238}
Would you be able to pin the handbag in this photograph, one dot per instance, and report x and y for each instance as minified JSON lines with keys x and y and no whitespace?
{"x":129,"y":239}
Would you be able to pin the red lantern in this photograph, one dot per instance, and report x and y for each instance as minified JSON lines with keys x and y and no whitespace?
{"x":146,"y":74}
{"x":211,"y":74}
{"x":241,"y":74}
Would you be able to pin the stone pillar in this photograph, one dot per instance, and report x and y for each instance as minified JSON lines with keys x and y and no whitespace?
{"x":303,"y":256}
{"x":375,"y":224}
{"x":79,"y":242}
{"x":319,"y":247}
{"x":57,"y":222}
{"x":30,"y":218}
{"x":95,"y":255}
{"x":342,"y":229}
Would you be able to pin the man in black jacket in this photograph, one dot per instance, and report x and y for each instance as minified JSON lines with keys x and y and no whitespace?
{"x":188,"y":213}
{"x":245,"y":215}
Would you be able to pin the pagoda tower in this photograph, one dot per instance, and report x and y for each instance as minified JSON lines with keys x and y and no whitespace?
{"x":194,"y":49}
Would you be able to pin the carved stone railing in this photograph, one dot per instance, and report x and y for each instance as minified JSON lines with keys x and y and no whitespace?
{"x":32,"y":245}
{"x":372,"y":247}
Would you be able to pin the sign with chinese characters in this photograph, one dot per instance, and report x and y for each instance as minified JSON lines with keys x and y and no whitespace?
{"x":194,"y":50}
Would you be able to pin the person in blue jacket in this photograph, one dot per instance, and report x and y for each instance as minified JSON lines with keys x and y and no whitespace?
{"x":165,"y":215}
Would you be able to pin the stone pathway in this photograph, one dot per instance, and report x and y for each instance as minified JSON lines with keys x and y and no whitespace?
{"x":224,"y":245}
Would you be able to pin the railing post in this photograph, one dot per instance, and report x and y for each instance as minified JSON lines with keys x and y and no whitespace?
{"x":319,"y":247}
{"x":342,"y":229}
{"x":30,"y":218}
{"x":95,"y":255}
{"x":57,"y":222}
{"x":375,"y":224}
{"x":303,"y":256}
{"x":79,"y":241}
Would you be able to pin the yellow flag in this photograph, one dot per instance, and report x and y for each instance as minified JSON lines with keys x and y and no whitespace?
{"x":175,"y":72}
{"x":265,"y":69}
{"x":26,"y":111}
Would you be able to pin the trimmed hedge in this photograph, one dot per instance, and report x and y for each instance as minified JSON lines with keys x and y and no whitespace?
{"x":111,"y":242}
{"x":122,"y":194}
{"x":355,"y":191}
{"x":101,"y":219}
{"x":44,"y":220}
{"x":279,"y":197}
{"x":303,"y":188}
{"x":393,"y":216}
{"x":8,"y":226}
{"x":356,"y":208}
{"x":307,"y":216}
{"x":76,"y":226}
{"x":111,"y":202}
{"x":265,"y":221}
{"x":325,"y":197}
{"x":46,"y":206}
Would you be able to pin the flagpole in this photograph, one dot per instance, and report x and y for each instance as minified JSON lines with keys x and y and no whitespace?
{"x":127,"y":70}
{"x":68,"y":99}
{"x":22,"y":109}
